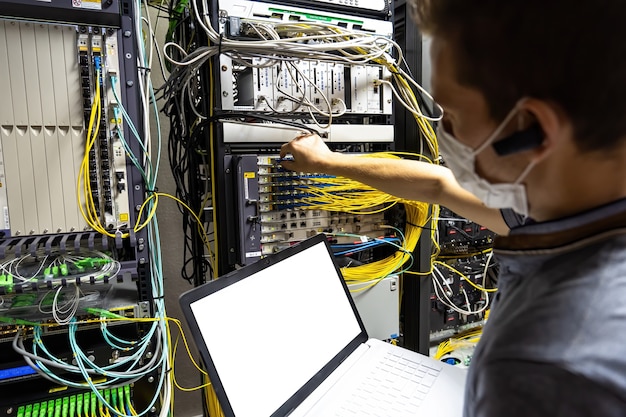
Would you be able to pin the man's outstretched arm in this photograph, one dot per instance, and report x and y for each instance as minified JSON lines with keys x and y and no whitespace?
{"x":408,"y":179}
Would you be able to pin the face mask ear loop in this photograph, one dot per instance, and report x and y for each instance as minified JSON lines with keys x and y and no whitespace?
{"x":498,"y":130}
{"x":525,"y":172}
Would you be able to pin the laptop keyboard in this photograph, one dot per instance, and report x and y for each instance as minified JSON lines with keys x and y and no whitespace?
{"x":396,"y":386}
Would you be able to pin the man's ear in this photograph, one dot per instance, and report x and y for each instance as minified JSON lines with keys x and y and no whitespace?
{"x":550,"y":125}
{"x":523,"y":140}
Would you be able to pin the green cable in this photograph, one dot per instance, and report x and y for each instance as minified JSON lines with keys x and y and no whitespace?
{"x":86,"y":399}
{"x":127,"y":392}
{"x":57,"y":407}
{"x":93,"y":404}
{"x":79,"y":405}
{"x":103,"y":313}
{"x":66,"y":407}
{"x":114,"y":397}
{"x":73,"y":406}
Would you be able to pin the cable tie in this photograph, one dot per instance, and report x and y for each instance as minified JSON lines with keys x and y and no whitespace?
{"x":154,"y":191}
{"x":146,"y":69}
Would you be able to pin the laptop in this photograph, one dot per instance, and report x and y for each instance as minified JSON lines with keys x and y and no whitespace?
{"x":282,"y":337}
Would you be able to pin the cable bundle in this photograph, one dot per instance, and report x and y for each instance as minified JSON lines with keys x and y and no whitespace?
{"x":346,"y":195}
{"x":286,"y":43}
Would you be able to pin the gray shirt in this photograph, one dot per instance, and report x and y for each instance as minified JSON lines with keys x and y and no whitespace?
{"x":555,"y":341}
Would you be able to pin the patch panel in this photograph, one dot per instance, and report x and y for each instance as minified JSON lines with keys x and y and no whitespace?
{"x":275,"y":210}
{"x":285,"y":87}
{"x":312,"y":89}
{"x":26,"y":317}
{"x":461,"y":293}
{"x":78,"y":404}
{"x":464,"y":246}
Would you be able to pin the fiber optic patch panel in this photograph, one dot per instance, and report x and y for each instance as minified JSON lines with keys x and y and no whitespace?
{"x":42,"y":276}
{"x":275,"y":209}
{"x":82,"y":404}
{"x":50,"y":74}
{"x":71,"y":402}
{"x":461,"y":293}
{"x":32,"y":305}
{"x":464,"y":247}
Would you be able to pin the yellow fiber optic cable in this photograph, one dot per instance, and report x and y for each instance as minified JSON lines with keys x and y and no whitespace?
{"x":349,"y":196}
{"x":155,"y":197}
{"x":463,"y":276}
{"x":89,"y":211}
{"x":452,"y":344}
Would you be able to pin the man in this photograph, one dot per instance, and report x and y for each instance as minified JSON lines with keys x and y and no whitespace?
{"x":534,"y":93}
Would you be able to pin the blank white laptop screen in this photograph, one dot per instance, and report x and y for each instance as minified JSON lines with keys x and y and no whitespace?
{"x":271,"y":332}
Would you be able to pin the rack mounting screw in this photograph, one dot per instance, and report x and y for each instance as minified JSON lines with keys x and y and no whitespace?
{"x":225,"y":93}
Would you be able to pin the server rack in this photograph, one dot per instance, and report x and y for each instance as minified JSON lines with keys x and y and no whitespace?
{"x":238,"y":163}
{"x":72,"y":85}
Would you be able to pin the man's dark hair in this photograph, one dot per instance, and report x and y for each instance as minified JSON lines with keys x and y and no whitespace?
{"x":568,"y":52}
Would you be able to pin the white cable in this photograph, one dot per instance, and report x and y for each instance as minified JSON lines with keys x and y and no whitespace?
{"x":443,"y":297}
{"x":487,"y":261}
{"x":68,"y":310}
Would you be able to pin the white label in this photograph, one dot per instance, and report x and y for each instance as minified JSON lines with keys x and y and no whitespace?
{"x":253,"y":254}
{"x":88,"y":4}
{"x":7,"y":225}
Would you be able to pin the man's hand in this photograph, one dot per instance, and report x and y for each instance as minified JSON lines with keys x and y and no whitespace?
{"x":309,"y":153}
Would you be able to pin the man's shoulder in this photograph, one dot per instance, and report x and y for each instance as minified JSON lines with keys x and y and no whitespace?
{"x":515,"y":387}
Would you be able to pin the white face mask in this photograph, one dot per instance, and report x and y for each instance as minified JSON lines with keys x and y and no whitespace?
{"x":461,"y":159}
